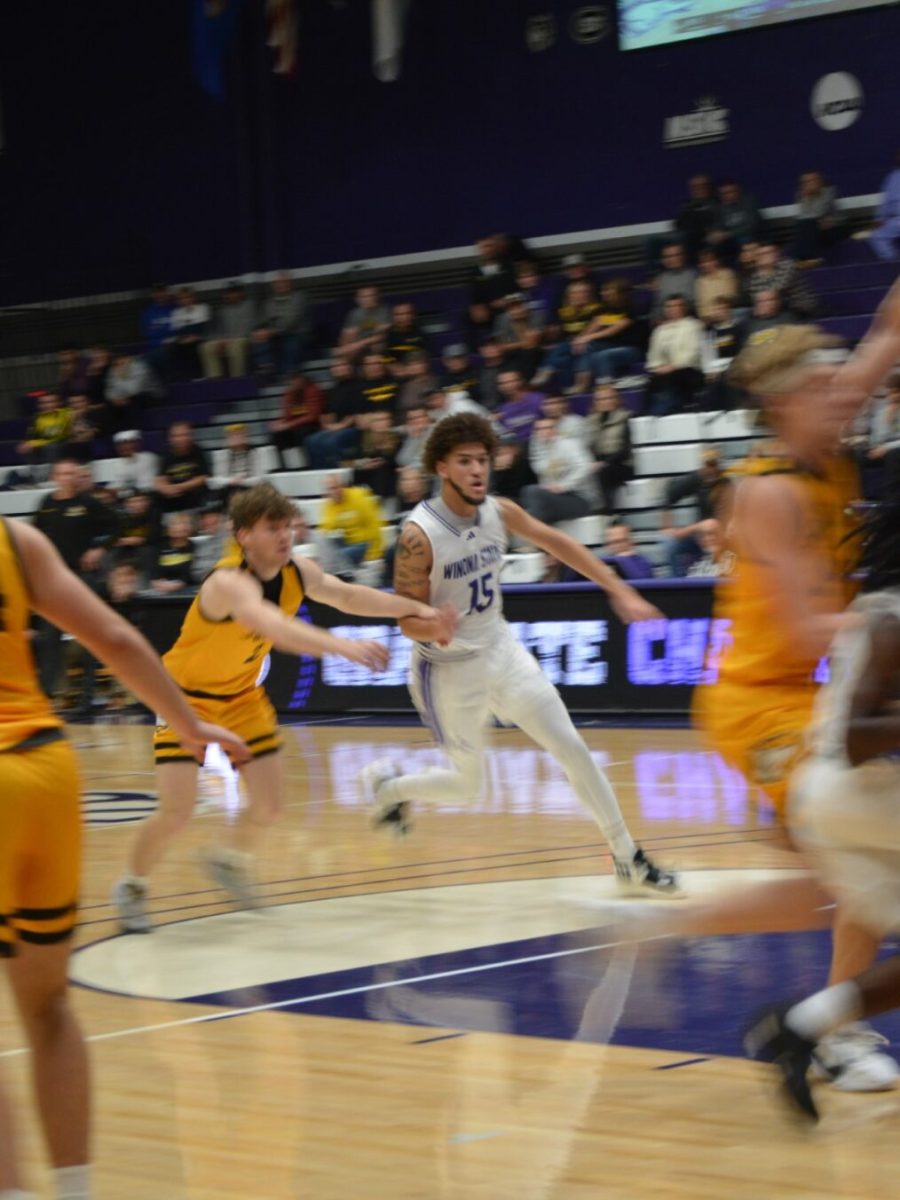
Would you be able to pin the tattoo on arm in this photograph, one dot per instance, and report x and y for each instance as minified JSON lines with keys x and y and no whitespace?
{"x":412,"y":564}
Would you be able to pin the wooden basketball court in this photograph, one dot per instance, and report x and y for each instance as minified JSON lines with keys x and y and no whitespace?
{"x":454,"y":1016}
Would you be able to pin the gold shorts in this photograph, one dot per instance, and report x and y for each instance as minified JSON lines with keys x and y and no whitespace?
{"x":250,"y":715}
{"x":40,"y":844}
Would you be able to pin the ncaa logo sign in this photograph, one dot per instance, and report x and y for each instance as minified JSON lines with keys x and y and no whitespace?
{"x":836,"y":101}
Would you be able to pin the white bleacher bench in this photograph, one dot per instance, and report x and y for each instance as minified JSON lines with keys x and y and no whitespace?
{"x":667,"y":460}
{"x":680,"y":427}
{"x":306,"y":483}
{"x":267,"y":457}
{"x":523,"y":568}
{"x":23,"y":502}
{"x":587,"y":530}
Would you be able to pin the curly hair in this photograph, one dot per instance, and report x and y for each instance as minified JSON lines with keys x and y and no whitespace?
{"x":262,"y":501}
{"x":775,"y":365}
{"x":464,"y":429}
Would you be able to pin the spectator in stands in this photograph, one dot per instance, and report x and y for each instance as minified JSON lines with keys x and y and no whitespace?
{"x":133,"y":469}
{"x":491,"y":281}
{"x":880,"y":447}
{"x":242,"y":465}
{"x":568,"y":424}
{"x":819,"y":222}
{"x":575,"y":269}
{"x":608,"y":439}
{"x":72,"y":377}
{"x":491,"y":366}
{"x":512,"y":471}
{"x":139,"y":532}
{"x":885,"y":237}
{"x":301,"y":412}
{"x":744,"y":268}
{"x":403,"y":339}
{"x":565,"y":476}
{"x":412,"y":488}
{"x":48,"y":430}
{"x":172,"y":571}
{"x":351,"y":525}
{"x":713,"y":492}
{"x":674,"y":360}
{"x":447,"y":402}
{"x":188,"y":326}
{"x":737,"y":221}
{"x":539,"y":292}
{"x":99,"y":365}
{"x":417,"y":429}
{"x":81,"y":529}
{"x":676,"y":278}
{"x":338,"y":435}
{"x":83,"y":430}
{"x":210,"y":544}
{"x":459,"y":374}
{"x":775,"y":273}
{"x":279,"y":342}
{"x":720,"y":346}
{"x":767,"y":316}
{"x":717,"y":561}
{"x":156,"y":317}
{"x":367,"y":324}
{"x":520,"y":332}
{"x":612,"y":337}
{"x":377,"y":390}
{"x":620,"y":553}
{"x":697,"y":217}
{"x":714,"y":281}
{"x":376,"y":466}
{"x":130,"y":387}
{"x":569,"y":358}
{"x":184,"y":471}
{"x":419,"y":382}
{"x":229,"y":334}
{"x":520,"y":409}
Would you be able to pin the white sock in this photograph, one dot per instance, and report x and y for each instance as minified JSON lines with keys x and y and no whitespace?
{"x":73,"y":1183}
{"x":825,"y":1011}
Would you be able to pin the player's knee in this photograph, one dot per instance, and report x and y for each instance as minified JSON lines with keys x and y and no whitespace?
{"x":174,"y":818}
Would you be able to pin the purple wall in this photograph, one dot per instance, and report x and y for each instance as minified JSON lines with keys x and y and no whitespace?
{"x":119,"y":169}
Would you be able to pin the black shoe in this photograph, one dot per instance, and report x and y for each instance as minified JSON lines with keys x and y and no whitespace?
{"x":396,"y":820}
{"x":642,"y":877}
{"x":768,"y":1039}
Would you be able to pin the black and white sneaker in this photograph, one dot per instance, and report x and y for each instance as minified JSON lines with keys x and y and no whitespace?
{"x":769,"y":1039}
{"x":129,"y":898}
{"x":393,"y":818}
{"x":641,"y":877}
{"x":233,"y":878}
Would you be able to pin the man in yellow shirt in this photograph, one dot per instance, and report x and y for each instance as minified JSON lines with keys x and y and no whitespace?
{"x":351,"y":520}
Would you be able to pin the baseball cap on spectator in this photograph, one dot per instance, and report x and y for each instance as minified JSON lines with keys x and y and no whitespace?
{"x":573,"y":260}
{"x":235,"y":427}
{"x":457,"y":350}
{"x":127,"y":435}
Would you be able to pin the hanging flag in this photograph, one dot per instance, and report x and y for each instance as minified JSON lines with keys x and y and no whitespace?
{"x":388,"y":30}
{"x":281,"y":35}
{"x":215,"y":24}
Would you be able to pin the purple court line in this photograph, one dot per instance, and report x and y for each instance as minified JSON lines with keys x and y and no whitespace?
{"x":685,"y":1062}
{"x":443,"y":1037}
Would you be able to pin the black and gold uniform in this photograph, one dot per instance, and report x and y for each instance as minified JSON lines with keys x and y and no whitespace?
{"x":217,"y":664}
{"x":40,"y":821}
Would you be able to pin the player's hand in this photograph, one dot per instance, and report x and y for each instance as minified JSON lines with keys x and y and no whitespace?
{"x":372,"y":655}
{"x":446,"y":619}
{"x":204,"y":733}
{"x":630,"y":606}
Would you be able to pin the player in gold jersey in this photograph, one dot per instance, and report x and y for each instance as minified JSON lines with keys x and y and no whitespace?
{"x":40,"y":833}
{"x":245,"y":607}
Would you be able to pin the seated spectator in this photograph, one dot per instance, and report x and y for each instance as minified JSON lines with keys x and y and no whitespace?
{"x":520,"y":332}
{"x":84,"y":430}
{"x":568,"y":424}
{"x":520,"y":409}
{"x":744,"y":268}
{"x":72,"y":375}
{"x":511,"y":470}
{"x":351,"y":528}
{"x":188,"y":326}
{"x":133,"y":469}
{"x":339,"y":435}
{"x":575,"y":269}
{"x":130,"y":387}
{"x":774,"y":273}
{"x":367,"y":324}
{"x":819,"y":222}
{"x":539,"y":292}
{"x":612,"y":337}
{"x":210,"y":542}
{"x":412,"y":488}
{"x":737,"y":221}
{"x":403,"y":339}
{"x":720,"y":347}
{"x":766,"y":316}
{"x":620,"y":553}
{"x":717,"y":561}
{"x":242,"y":464}
{"x":569,"y":359}
{"x":490,"y":282}
{"x":99,"y":365}
{"x":676,"y":278}
{"x":172,"y":571}
{"x":713,"y":492}
{"x":377,"y":390}
{"x":280,"y":340}
{"x":885,"y":237}
{"x":698,"y":216}
{"x":564,"y":472}
{"x":139,"y":533}
{"x":674,"y":360}
{"x":301,"y":412}
{"x":608,"y":440}
{"x":229,"y":334}
{"x":491,"y":366}
{"x":48,"y":431}
{"x":376,"y":466}
{"x":713,"y":282}
{"x":156,"y":318}
{"x":459,"y":374}
{"x":183,"y":472}
{"x":881,"y":446}
{"x":418,"y":383}
{"x":447,"y":402}
{"x":417,"y":430}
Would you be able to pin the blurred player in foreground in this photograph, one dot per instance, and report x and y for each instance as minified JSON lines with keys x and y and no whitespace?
{"x":40,"y":834}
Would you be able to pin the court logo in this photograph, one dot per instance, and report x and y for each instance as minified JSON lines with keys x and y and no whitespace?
{"x":836,"y":101}
{"x":589,"y":24}
{"x":709,"y":122}
{"x":540,"y":32}
{"x":116,"y":808}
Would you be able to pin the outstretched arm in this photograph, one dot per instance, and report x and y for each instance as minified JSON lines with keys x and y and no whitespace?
{"x":877,"y":353}
{"x":627,"y":604}
{"x":412,"y":570}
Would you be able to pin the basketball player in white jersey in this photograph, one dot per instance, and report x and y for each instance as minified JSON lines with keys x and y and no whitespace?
{"x":450,"y":554}
{"x":845,"y":813}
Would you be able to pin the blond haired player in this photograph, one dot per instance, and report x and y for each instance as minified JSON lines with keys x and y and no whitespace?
{"x":244,"y":608}
{"x":40,"y":834}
